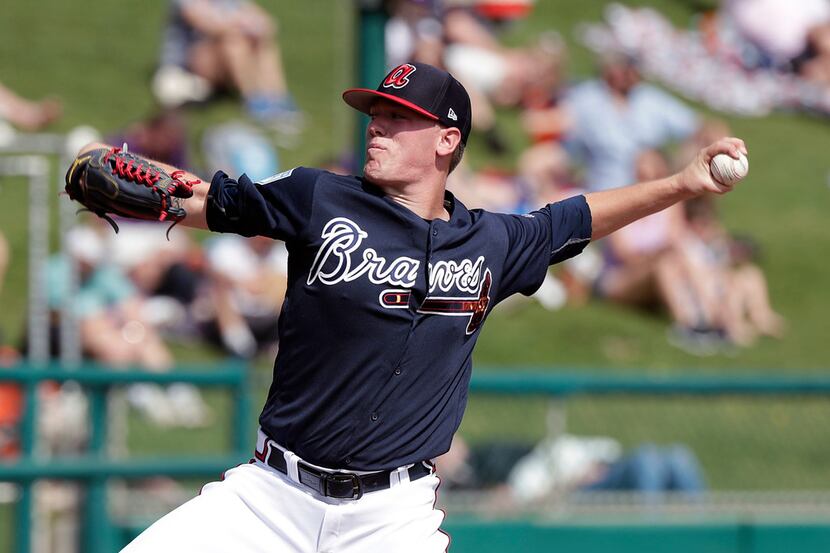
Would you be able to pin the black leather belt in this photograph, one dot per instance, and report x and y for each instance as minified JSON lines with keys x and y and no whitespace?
{"x":343,"y":485}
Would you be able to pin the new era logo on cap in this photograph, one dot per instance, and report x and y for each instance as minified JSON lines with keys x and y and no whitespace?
{"x":430,"y":91}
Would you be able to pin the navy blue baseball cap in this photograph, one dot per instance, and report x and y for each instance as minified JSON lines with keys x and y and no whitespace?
{"x":430,"y":91}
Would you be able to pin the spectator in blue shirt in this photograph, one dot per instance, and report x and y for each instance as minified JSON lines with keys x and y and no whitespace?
{"x":614,"y":118}
{"x":113,"y":329}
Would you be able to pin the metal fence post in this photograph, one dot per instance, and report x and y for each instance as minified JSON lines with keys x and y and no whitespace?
{"x":242,"y":409}
{"x":97,"y":534}
{"x":28,"y":430}
{"x":70,"y":340}
{"x":36,"y":169}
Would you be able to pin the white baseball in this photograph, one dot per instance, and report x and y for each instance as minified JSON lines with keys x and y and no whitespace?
{"x":728,"y":170}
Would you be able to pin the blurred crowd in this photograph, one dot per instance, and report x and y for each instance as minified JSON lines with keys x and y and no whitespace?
{"x":211,"y":46}
{"x":602,"y":133}
{"x":519,"y":474}
{"x":137,"y":291}
{"x":748,"y":57}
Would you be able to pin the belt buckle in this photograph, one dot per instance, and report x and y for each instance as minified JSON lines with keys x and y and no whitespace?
{"x":340,"y":478}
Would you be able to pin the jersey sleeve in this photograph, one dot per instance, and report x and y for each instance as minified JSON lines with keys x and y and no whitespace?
{"x":278,"y":207}
{"x":536,"y":240}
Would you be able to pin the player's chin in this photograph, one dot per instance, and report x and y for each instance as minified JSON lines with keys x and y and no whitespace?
{"x":374,"y":172}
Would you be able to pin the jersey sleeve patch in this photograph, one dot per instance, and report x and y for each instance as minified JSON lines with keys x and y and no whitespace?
{"x":278,"y":207}
{"x":274,"y":178}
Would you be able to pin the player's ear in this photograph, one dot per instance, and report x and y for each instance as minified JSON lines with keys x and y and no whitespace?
{"x":448,"y":140}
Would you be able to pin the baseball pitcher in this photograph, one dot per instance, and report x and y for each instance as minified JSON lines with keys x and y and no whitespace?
{"x":390,"y":279}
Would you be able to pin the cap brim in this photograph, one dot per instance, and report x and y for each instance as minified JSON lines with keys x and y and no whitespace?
{"x":362,"y":99}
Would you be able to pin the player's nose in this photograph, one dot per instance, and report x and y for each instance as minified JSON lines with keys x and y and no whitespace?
{"x":375,"y":127}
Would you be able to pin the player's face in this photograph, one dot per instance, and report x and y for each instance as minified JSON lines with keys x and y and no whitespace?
{"x":400,"y":144}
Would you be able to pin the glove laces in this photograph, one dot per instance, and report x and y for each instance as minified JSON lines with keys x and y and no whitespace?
{"x":141,"y":171}
{"x":134,"y":169}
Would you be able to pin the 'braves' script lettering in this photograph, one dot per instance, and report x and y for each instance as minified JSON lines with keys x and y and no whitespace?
{"x":448,"y":275}
{"x":340,"y":259}
{"x":341,"y":238}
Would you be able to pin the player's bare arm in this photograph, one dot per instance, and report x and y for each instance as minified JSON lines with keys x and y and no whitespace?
{"x":195,"y":205}
{"x":613,"y":209}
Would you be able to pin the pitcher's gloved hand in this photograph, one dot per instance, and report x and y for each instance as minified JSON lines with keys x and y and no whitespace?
{"x":114,"y":181}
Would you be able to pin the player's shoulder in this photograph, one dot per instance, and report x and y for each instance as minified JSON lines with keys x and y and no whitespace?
{"x":311,"y":176}
{"x":509,"y":220}
{"x":495,"y":222}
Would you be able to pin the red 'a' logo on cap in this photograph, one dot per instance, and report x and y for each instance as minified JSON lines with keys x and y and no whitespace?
{"x":399,"y":77}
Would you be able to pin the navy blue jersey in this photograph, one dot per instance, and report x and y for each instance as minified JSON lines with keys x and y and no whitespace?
{"x":383,"y":308}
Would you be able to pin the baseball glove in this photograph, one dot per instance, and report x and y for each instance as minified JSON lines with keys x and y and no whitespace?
{"x":114,"y":181}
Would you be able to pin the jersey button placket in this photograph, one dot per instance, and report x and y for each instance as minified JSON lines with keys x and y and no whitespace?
{"x":433,"y":233}
{"x":374,"y":417}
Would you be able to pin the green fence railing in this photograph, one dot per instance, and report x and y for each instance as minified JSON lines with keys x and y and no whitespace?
{"x":770,"y":528}
{"x":702,"y":536}
{"x":94,"y":468}
{"x":521,"y":381}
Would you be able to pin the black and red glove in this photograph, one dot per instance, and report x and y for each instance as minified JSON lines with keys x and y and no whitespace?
{"x":116,"y":182}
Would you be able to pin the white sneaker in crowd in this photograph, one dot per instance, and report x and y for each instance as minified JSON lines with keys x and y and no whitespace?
{"x":152,"y":403}
{"x":190,"y":410}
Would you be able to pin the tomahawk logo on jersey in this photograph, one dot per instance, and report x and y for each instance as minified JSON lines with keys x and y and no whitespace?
{"x":371,"y":287}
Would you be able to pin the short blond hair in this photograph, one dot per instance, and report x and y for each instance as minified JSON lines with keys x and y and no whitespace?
{"x":457,"y":154}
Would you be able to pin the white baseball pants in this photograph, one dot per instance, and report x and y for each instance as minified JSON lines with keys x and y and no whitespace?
{"x":257,"y":509}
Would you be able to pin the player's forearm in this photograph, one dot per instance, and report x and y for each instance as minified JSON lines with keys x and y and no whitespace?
{"x":613,"y":209}
{"x":195,"y":206}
